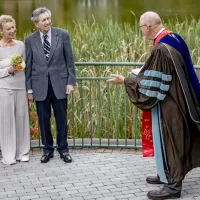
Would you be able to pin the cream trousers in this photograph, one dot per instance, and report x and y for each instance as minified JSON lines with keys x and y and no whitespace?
{"x":14,"y":126}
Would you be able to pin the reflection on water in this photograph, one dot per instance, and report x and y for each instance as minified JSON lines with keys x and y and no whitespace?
{"x":66,"y":11}
{"x":97,"y":3}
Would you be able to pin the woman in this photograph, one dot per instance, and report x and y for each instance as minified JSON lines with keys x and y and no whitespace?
{"x":14,"y":118}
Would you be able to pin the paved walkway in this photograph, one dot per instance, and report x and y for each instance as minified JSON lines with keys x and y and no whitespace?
{"x":101,"y":174}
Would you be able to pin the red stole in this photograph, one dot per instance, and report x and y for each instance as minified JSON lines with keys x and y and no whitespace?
{"x":147,"y":139}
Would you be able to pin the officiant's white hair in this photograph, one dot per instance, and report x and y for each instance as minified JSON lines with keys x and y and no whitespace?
{"x":36,"y":13}
{"x":150,"y":18}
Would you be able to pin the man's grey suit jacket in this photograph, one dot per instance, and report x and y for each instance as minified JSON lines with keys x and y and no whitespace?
{"x":60,"y":66}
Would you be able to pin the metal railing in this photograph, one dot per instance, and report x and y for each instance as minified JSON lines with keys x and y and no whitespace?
{"x":100,"y":114}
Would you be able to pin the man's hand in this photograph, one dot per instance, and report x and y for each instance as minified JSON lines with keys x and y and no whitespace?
{"x":69,"y":89}
{"x":116,"y":78}
{"x":30,"y":97}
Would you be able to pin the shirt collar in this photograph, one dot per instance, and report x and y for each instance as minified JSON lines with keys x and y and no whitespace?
{"x":162,"y":29}
{"x":48,"y":34}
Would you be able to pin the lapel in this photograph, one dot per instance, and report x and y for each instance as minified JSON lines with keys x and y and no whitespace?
{"x":54,"y":42}
{"x":38,"y":43}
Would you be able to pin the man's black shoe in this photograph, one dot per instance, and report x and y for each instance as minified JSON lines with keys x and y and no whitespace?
{"x":154,"y":180}
{"x":162,"y":194}
{"x":66,"y":157}
{"x":46,"y":157}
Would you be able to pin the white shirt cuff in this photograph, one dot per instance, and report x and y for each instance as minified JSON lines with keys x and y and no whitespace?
{"x":30,"y":91}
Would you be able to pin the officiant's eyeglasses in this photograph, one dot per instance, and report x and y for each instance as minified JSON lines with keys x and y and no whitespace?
{"x":146,"y":26}
{"x":141,"y":26}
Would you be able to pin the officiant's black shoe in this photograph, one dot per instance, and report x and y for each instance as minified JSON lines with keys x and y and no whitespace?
{"x":46,"y":157}
{"x":162,"y":194}
{"x":66,"y":157}
{"x":154,"y":180}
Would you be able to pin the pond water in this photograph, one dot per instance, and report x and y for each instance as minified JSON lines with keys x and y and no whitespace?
{"x":64,"y":12}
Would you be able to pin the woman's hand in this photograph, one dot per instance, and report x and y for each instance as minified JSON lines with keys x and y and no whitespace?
{"x":11,"y":70}
{"x":30,"y":97}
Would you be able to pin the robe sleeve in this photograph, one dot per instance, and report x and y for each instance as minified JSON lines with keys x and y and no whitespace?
{"x":152,"y":84}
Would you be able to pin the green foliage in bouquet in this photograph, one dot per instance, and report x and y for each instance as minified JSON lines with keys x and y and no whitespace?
{"x":16,"y":59}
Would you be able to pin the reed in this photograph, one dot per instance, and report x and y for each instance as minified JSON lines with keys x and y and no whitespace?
{"x":95,"y":103}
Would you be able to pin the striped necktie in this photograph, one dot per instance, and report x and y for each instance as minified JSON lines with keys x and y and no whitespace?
{"x":46,"y":46}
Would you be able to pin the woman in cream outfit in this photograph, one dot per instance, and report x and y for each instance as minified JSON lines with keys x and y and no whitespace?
{"x":14,"y":118}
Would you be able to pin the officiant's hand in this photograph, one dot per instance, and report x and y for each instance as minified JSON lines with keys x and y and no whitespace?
{"x":117,"y":79}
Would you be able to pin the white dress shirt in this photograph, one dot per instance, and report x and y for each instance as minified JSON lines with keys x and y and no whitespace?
{"x":162,"y":29}
{"x":48,"y":36}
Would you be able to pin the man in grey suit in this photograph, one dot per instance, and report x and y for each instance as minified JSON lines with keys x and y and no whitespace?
{"x":50,"y":78}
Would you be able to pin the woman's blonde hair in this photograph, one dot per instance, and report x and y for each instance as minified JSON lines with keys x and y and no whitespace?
{"x":5,"y":19}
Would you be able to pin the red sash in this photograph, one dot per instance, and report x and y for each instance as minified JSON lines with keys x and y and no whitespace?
{"x":147,"y":139}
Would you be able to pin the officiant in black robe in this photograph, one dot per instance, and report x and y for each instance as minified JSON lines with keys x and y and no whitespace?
{"x":168,"y":86}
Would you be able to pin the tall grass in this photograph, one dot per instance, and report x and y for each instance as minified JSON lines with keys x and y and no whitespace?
{"x":116,"y":42}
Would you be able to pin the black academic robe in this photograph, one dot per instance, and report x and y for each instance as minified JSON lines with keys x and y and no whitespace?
{"x":163,"y":87}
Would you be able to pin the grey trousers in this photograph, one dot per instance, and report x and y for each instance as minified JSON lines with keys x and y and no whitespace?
{"x":173,"y":188}
{"x":14,"y":126}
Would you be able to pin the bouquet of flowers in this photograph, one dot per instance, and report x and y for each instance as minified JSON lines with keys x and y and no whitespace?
{"x":16,"y":61}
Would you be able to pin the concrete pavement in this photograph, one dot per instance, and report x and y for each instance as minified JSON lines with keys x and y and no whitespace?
{"x":101,"y":174}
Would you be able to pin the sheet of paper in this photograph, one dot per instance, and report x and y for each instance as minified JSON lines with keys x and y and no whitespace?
{"x":135,"y":71}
